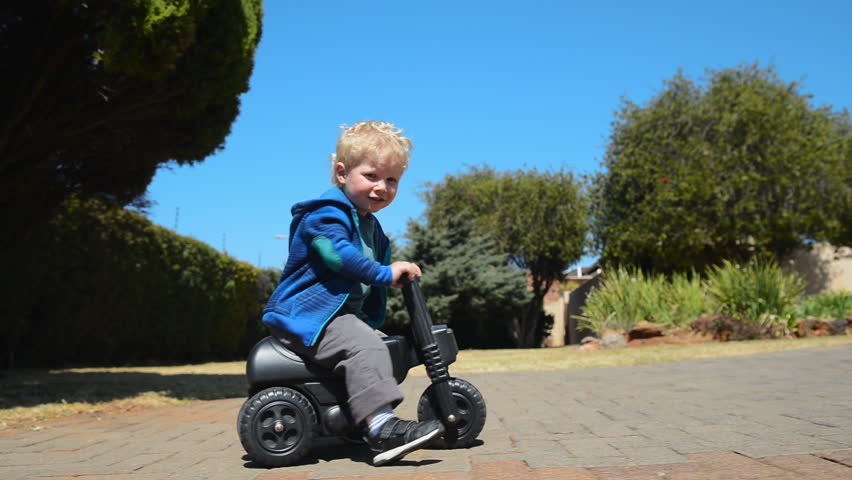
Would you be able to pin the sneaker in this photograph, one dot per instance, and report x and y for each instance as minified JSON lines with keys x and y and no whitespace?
{"x":397,"y":438}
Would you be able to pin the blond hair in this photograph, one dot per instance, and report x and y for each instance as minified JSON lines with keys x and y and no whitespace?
{"x":361,"y":139}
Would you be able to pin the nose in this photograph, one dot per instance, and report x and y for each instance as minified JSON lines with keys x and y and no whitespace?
{"x":381,"y":186}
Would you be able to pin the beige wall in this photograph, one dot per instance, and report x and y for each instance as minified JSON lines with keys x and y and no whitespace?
{"x":562,"y":306}
{"x":824,"y":268}
{"x":556,"y":307}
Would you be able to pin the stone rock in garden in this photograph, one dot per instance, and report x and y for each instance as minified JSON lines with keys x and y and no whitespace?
{"x":815,"y":327}
{"x":590,"y":344}
{"x":647,"y":342}
{"x":645,"y":330}
{"x":803,"y":327}
{"x":720,"y":326}
{"x":820,"y":328}
{"x":613,"y":340}
{"x":672,"y":338}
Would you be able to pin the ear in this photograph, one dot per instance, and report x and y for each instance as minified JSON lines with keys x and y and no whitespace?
{"x":340,"y":172}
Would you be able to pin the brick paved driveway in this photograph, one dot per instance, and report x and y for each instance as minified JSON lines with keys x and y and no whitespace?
{"x":776,"y":416}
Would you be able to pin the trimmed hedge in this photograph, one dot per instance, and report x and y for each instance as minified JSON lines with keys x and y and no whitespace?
{"x":100,"y":285}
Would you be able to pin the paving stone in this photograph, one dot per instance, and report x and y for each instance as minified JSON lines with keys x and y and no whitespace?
{"x":279,"y":475}
{"x":443,"y":476}
{"x":563,"y":473}
{"x":545,"y":453}
{"x":447,"y":463}
{"x":652,"y":455}
{"x":490,"y":458}
{"x":591,"y":462}
{"x":559,"y":427}
{"x":650,"y":472}
{"x":725,"y":439}
{"x":633,"y":441}
{"x":691,"y":446}
{"x":525,"y":426}
{"x":768,"y":450}
{"x":841,"y":456}
{"x":549,"y":460}
{"x":170,"y":464}
{"x":608,"y":429}
{"x":808,"y":465}
{"x":590,"y":448}
{"x":117,"y":476}
{"x":842,"y":439}
{"x":503,"y":470}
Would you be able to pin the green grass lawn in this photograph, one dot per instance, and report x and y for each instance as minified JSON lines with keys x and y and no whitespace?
{"x":29,"y":398}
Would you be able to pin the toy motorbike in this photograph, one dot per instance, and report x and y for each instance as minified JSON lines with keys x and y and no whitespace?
{"x":291,"y":402}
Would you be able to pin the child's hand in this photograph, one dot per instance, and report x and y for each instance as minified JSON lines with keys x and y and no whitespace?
{"x":401,"y":268}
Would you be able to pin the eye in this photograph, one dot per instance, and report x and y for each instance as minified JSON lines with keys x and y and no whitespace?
{"x":392,"y":181}
{"x":371,"y":176}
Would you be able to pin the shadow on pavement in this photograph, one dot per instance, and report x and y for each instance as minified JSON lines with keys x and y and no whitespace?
{"x":26,"y":388}
{"x":328,"y":449}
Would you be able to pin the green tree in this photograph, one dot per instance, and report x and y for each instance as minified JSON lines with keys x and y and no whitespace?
{"x":741,"y":167}
{"x":467,"y":284}
{"x":539,"y":220}
{"x":97,"y":94}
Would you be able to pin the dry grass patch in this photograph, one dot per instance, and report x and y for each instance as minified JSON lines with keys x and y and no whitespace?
{"x":33,"y":416}
{"x":28,"y":398}
{"x":31,"y":396}
{"x":214,"y":368}
{"x":483,"y":361}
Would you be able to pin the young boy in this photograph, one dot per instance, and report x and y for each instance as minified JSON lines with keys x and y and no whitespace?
{"x":332,"y":294}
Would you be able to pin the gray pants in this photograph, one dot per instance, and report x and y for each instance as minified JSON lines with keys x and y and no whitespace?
{"x":351,"y":348}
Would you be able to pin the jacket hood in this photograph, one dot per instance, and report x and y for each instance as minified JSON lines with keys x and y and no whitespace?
{"x":334,"y":196}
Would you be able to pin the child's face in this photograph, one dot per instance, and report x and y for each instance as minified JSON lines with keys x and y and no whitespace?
{"x":371,"y":185}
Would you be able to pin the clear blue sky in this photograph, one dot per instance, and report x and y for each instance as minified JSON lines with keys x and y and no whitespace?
{"x":504,"y":83}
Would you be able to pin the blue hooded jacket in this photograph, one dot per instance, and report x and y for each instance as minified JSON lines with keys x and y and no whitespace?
{"x":325,"y":261}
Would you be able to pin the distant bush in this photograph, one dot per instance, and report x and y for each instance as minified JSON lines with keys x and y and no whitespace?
{"x":626,"y":297}
{"x":832,"y":305}
{"x":621,"y":300}
{"x":758,"y":293}
{"x":685,"y":297}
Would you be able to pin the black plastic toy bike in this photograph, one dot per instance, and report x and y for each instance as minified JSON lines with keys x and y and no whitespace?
{"x":293,"y":402}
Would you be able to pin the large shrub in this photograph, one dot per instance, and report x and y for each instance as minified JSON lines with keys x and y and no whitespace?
{"x":754,"y":290}
{"x":685,"y":297}
{"x":752,"y":301}
{"x":100,"y":285}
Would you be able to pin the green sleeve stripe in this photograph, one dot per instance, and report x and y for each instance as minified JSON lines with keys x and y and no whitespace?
{"x":329,"y":255}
